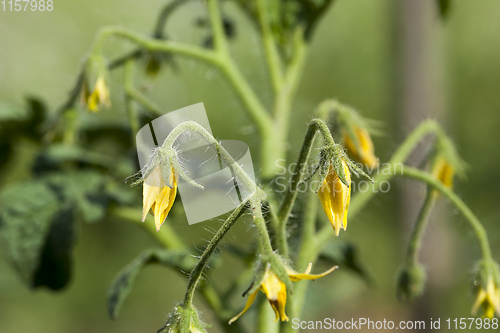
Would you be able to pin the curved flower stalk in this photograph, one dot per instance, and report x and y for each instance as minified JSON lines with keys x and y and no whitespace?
{"x":275,"y":289}
{"x":412,"y":277}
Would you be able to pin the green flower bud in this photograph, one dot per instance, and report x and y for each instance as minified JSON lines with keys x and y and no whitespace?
{"x":411,"y":283}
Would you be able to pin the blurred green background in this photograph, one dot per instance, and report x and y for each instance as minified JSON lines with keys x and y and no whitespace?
{"x":393,"y":60}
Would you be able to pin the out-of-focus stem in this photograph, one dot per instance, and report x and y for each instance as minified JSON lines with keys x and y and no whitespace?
{"x":271,"y":51}
{"x":474,"y":222}
{"x":417,"y":234}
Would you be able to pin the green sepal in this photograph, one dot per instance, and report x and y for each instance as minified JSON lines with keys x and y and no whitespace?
{"x":278,"y":267}
{"x":411,"y":282}
{"x":337,"y":165}
{"x":184,"y":320}
{"x":485,"y":270}
{"x":324,"y":169}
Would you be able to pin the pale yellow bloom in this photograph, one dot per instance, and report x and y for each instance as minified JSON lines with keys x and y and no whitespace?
{"x":158,"y":198}
{"x":335,"y":196}
{"x":98,"y":97}
{"x":444,"y":172}
{"x":275,"y":290}
{"x":489,"y":299}
{"x":365,"y":153}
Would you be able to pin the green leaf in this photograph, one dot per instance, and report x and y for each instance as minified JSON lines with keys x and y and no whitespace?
{"x":124,"y":281}
{"x":85,"y":190}
{"x":55,"y":266}
{"x":26,"y":214}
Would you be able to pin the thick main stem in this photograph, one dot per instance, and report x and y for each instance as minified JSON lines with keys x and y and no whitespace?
{"x":270,"y":49}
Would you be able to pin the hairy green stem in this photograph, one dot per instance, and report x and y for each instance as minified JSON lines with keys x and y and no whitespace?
{"x":285,"y":96}
{"x":474,"y":222}
{"x":298,"y":175}
{"x":417,"y":234}
{"x":296,"y":301}
{"x":195,"y":128}
{"x":260,"y":224}
{"x":196,"y":273}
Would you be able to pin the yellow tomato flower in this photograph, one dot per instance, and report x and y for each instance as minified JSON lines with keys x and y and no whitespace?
{"x":335,"y":196}
{"x":489,"y":299}
{"x":444,"y":172}
{"x":275,"y":290}
{"x":158,"y":198}
{"x":98,"y":97}
{"x":365,"y":154}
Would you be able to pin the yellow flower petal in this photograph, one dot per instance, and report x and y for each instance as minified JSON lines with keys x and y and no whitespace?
{"x":444,"y":172}
{"x":249,"y":303}
{"x":149,"y":195}
{"x":365,"y":154}
{"x":335,"y":197}
{"x":157,"y":196}
{"x":306,"y":276}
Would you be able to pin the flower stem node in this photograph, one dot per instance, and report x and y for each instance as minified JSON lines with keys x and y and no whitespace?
{"x":184,"y":320}
{"x":411,"y":282}
{"x":272,"y":285}
{"x":487,"y":289}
